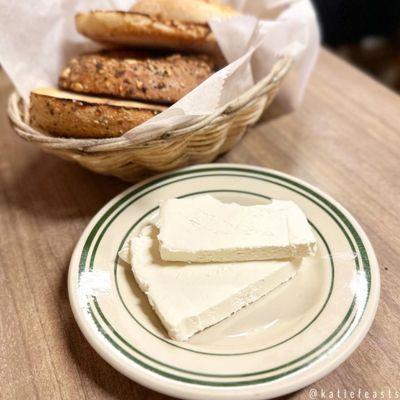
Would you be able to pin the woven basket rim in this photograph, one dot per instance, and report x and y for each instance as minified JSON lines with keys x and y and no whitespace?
{"x":23,"y":129}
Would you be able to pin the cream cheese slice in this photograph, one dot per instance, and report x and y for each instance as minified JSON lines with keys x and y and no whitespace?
{"x":191,"y":297}
{"x":203,"y":229}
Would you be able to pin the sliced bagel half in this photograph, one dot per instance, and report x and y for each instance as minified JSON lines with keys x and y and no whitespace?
{"x":66,"y":114}
{"x":157,"y":24}
{"x":140,"y":30}
{"x":137,"y":75}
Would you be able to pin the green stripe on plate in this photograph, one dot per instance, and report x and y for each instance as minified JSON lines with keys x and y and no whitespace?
{"x":215,"y":383}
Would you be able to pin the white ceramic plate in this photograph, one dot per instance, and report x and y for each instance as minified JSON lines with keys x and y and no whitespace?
{"x":283,"y":342}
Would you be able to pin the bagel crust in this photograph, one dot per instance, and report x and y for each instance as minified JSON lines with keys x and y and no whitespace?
{"x":66,"y":114}
{"x":136,"y":75}
{"x":200,"y":11}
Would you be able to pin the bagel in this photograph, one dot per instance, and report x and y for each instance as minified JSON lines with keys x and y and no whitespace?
{"x":65,"y":114}
{"x":177,"y":25}
{"x":136,"y":75}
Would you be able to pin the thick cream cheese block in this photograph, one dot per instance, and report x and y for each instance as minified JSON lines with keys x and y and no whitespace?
{"x":203,"y":229}
{"x":191,"y":297}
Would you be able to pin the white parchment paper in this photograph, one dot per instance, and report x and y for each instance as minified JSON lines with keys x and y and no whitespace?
{"x":38,"y":37}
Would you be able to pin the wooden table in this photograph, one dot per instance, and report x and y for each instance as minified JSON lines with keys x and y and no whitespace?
{"x":345,"y":140}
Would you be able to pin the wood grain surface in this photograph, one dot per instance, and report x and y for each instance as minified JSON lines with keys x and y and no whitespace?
{"x":345,"y":140}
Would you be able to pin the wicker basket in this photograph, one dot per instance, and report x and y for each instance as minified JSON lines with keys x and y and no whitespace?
{"x":133,"y":158}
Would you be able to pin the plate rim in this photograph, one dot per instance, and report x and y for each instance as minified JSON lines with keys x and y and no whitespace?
{"x":192,"y":391}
